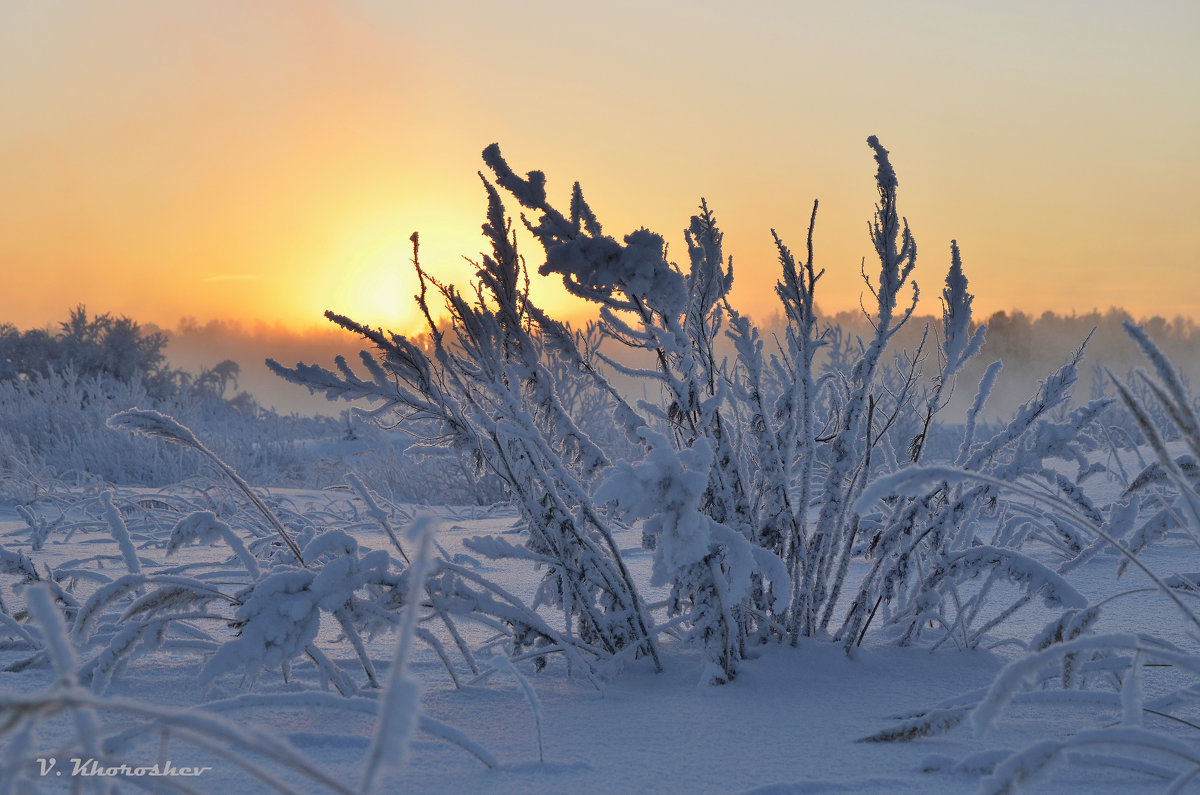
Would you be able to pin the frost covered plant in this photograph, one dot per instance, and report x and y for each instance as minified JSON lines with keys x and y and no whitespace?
{"x":158,"y":425}
{"x":278,"y":616}
{"x":1141,"y":687}
{"x":483,"y":388}
{"x":103,"y":727}
{"x":934,"y":572}
{"x":817,"y":438}
{"x":118,"y":732}
{"x":830,"y":542}
{"x":399,"y":709}
{"x":678,"y":323}
{"x":247,"y":615}
{"x":749,"y":469}
{"x":667,"y":488}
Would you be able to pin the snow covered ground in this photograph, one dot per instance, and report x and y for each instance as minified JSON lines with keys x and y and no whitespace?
{"x":790,"y":723}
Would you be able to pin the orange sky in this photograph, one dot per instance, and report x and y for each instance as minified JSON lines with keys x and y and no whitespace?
{"x":265,"y":161}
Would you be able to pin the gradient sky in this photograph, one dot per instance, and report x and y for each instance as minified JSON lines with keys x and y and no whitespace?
{"x":265,"y":161}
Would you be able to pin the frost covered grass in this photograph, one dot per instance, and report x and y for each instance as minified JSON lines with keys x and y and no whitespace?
{"x":802,"y":521}
{"x":223,"y":618}
{"x":54,"y":436}
{"x":1143,"y":683}
{"x":642,"y":731}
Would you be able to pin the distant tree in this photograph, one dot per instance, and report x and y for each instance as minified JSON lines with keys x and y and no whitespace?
{"x":96,"y":346}
{"x":10,"y":341}
{"x":218,"y":379}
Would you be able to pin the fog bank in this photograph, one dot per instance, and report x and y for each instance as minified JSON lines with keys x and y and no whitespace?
{"x":195,"y":346}
{"x":1030,"y":347}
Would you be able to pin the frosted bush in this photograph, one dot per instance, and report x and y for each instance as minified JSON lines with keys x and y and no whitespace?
{"x":747,"y":472}
{"x":1067,"y":663}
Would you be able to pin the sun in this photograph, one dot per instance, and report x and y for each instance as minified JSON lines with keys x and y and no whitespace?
{"x":376,"y":288}
{"x":365,"y":270}
{"x":369,"y":277}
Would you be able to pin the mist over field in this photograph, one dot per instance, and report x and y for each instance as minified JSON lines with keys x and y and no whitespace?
{"x":1030,"y":347}
{"x":193,"y":345}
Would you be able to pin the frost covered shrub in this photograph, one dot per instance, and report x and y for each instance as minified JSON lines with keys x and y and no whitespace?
{"x":752,"y":474}
{"x":942,"y":568}
{"x":483,"y":388}
{"x":1139,"y":689}
{"x":748,"y":469}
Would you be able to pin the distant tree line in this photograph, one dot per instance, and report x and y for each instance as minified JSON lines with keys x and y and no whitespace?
{"x":1023,"y":338}
{"x":1020,"y":338}
{"x":107,"y":348}
{"x":1032,"y":345}
{"x":119,"y":348}
{"x":100,"y":345}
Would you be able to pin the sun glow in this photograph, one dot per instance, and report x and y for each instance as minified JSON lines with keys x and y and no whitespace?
{"x":368,"y":277}
{"x":164,"y":160}
{"x":375,"y":288}
{"x":368,"y":273}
